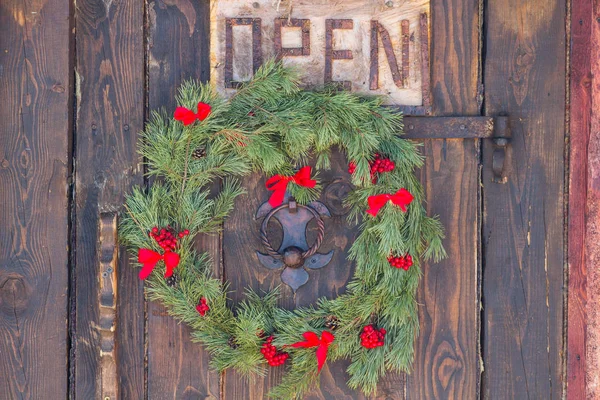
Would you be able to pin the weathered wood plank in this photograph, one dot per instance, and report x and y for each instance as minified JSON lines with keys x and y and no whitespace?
{"x":580,"y":123}
{"x":447,"y":355}
{"x":447,"y":351}
{"x":524,"y":218}
{"x":592,"y":240}
{"x":34,"y":172}
{"x":178,"y":50}
{"x":110,"y":111}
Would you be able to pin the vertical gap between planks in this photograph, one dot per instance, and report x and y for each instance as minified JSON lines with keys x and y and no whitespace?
{"x":146,"y":184}
{"x":71,"y":205}
{"x":566,"y":189}
{"x":482,"y":59}
{"x":482,"y":26}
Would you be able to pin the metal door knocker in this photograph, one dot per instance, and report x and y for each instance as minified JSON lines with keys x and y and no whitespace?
{"x":294,"y":254}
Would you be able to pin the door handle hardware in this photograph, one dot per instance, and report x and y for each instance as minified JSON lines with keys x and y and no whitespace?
{"x":294,"y":254}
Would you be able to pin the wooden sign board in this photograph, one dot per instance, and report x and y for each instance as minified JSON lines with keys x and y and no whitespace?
{"x":370,"y":47}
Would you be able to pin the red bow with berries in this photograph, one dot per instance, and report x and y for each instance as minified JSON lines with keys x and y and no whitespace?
{"x":278,"y":184}
{"x":187,"y":116}
{"x":322,"y":345}
{"x":148,"y":258}
{"x":401,"y":198}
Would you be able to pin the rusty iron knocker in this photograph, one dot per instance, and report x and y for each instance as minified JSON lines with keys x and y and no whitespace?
{"x":294,"y":252}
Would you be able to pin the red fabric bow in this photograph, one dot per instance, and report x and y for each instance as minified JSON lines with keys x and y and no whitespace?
{"x":188,"y":116}
{"x":401,"y":198}
{"x":148,"y":258}
{"x":322,"y":344}
{"x":278,"y":184}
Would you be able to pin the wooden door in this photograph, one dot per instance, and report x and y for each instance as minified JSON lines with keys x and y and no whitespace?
{"x":491,"y":314}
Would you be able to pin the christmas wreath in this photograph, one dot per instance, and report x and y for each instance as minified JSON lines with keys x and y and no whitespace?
{"x":274,"y":127}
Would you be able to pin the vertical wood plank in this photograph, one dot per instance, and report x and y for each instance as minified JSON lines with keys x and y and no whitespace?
{"x":110,"y":111}
{"x":447,"y":355}
{"x":35,"y":135}
{"x":447,"y":350}
{"x":524,"y":219}
{"x":178,"y":50}
{"x":592,"y":217}
{"x":580,"y":124}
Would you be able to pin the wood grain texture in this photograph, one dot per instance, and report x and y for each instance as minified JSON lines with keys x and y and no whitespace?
{"x":524,"y":219}
{"x":592,"y":239}
{"x":447,"y":351}
{"x":110,"y":111}
{"x":178,"y":50}
{"x":447,"y":354}
{"x":35,"y":136}
{"x":580,"y":124}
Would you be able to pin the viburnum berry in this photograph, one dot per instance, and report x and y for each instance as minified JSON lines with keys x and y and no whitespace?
{"x":381,"y":164}
{"x":378,"y":165}
{"x":202,"y":307}
{"x":166,"y":238}
{"x":372,"y":337}
{"x":351,"y":167}
{"x":274,"y":358}
{"x":401,"y":262}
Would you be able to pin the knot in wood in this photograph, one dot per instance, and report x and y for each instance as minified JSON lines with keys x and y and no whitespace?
{"x":14,"y":294}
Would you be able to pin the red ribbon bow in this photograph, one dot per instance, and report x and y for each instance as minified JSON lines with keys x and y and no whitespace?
{"x":401,"y":198}
{"x":278,"y":184}
{"x":148,"y":258}
{"x":322,"y":344}
{"x":187,"y":116}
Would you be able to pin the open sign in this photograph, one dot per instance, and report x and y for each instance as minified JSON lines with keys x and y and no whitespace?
{"x":377,"y":47}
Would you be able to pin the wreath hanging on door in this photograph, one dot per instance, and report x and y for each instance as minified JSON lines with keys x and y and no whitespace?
{"x":271,"y":126}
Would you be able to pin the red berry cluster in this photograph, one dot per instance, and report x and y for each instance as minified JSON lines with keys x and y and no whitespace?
{"x":401,"y":262}
{"x":378,"y":165}
{"x":273,"y":357}
{"x":381,"y":164}
{"x":165,"y":237}
{"x":372,"y":337}
{"x":202,"y":307}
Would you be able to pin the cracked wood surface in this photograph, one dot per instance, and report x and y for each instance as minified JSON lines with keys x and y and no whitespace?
{"x":523,"y":220}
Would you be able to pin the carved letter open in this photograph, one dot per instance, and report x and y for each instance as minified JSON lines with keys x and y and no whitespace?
{"x":371,"y":47}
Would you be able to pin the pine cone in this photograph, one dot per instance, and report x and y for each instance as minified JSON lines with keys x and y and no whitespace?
{"x":199,"y":153}
{"x":231,"y":342}
{"x":172,"y":280}
{"x":331,"y":322}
